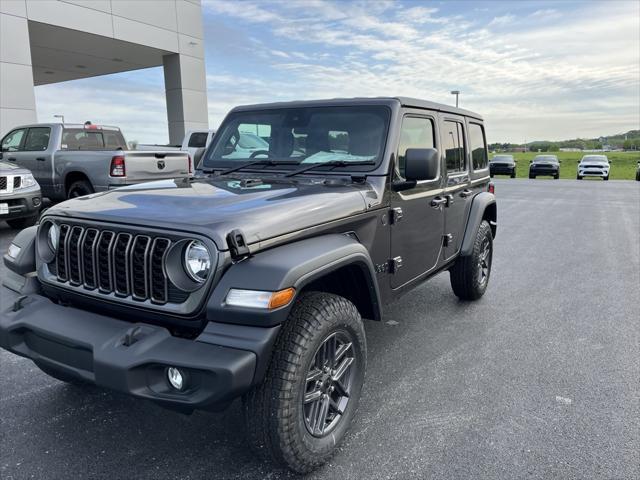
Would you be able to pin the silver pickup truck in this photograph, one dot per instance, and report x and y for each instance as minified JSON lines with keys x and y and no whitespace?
{"x":75,"y":160}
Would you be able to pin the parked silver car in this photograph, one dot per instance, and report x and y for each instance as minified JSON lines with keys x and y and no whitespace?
{"x":20,"y":198}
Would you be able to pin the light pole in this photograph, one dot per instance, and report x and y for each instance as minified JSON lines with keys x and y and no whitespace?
{"x":456,"y":93}
{"x":59,"y":116}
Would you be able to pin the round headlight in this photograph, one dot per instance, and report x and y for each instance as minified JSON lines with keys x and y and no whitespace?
{"x":52,"y":236}
{"x":197,"y":261}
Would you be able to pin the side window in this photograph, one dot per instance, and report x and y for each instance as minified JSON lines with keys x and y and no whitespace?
{"x":11,"y":143}
{"x":198,"y":139}
{"x":37,"y":139}
{"x":416,"y":132}
{"x":453,"y":144}
{"x":80,"y":139}
{"x":478,"y":146}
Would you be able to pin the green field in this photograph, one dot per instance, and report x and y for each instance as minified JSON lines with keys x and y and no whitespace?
{"x":623,"y":164}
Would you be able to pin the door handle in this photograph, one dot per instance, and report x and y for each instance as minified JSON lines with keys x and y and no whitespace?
{"x":41,"y":159}
{"x":436,"y":202}
{"x":465,"y":193}
{"x":12,"y":159}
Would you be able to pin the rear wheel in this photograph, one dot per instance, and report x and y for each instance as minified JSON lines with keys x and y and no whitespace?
{"x":310,"y":394}
{"x":20,"y":223}
{"x":532,"y":175}
{"x":513,"y":174}
{"x":470,"y":274}
{"x":79,"y":188}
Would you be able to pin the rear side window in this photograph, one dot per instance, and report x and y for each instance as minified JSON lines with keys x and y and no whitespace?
{"x":198,"y":139}
{"x":11,"y":142}
{"x":453,"y":143}
{"x":37,"y":139}
{"x":79,"y":139}
{"x":417,"y":132}
{"x":479,"y":154}
{"x":113,"y":140}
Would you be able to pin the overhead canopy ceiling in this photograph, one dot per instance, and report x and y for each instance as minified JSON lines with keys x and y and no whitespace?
{"x":59,"y":54}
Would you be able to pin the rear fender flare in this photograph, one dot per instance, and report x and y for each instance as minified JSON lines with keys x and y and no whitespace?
{"x":483,"y":207}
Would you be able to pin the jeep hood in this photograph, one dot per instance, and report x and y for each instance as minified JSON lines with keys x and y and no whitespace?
{"x":215,"y":207}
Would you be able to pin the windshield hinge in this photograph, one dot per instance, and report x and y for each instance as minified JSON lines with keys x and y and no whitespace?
{"x":237,"y":245}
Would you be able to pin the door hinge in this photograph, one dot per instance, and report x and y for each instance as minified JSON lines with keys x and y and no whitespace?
{"x":449,"y":198}
{"x":447,"y":239}
{"x":395,"y":264}
{"x":395,"y":215}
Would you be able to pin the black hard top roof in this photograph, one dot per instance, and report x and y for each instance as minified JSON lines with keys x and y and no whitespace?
{"x":404,"y":101}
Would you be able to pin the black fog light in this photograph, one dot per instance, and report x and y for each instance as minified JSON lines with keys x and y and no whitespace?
{"x":176,"y":378}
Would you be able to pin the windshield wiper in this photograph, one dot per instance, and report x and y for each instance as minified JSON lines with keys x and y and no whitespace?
{"x":332,"y":163}
{"x":262,"y":161}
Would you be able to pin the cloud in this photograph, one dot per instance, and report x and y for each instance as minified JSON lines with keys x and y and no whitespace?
{"x":503,"y":20}
{"x":543,"y":79}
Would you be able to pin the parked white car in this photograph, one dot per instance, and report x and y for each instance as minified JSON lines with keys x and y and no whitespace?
{"x":594,"y":166}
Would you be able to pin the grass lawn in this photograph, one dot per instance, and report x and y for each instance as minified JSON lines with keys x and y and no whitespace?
{"x":623,"y":164}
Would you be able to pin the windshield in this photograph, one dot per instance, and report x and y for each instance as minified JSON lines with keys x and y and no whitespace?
{"x":301,"y":136}
{"x":546,"y":158}
{"x":502,"y":158}
{"x":594,"y":158}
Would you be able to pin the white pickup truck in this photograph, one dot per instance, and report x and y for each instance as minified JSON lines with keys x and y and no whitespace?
{"x":193,"y":140}
{"x":75,"y":160}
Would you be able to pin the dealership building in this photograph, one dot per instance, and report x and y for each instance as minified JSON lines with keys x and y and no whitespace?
{"x":50,"y":41}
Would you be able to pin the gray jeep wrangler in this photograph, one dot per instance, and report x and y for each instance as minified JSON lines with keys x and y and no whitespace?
{"x":253,"y":278}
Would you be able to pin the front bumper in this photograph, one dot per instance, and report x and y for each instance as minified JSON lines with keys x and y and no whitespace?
{"x":220,"y":364}
{"x":593,"y":172}
{"x":501,"y":170}
{"x":544,"y":170}
{"x":22,"y":203}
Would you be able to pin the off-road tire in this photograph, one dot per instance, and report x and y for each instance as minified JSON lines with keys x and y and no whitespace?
{"x":274,"y":412}
{"x":20,"y":223}
{"x":466,"y":275}
{"x":80,"y":188}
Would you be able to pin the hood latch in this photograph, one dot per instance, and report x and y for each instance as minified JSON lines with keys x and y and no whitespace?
{"x":237,"y":245}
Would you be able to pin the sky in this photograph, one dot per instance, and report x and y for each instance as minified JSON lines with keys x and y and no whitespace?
{"x":535,"y":70}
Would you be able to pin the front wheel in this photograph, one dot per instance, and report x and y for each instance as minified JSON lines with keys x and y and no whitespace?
{"x":578,"y":177}
{"x":606,"y":178}
{"x":470,"y":274}
{"x":304,"y":407}
{"x":513,"y":174}
{"x":532,"y":176}
{"x":556,"y":177}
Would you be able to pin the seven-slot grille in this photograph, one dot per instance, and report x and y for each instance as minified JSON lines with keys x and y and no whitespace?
{"x":122,"y":263}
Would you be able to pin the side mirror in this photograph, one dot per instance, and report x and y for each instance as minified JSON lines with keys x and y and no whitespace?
{"x":421,"y":164}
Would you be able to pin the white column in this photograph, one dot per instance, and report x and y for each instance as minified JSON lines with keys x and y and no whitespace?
{"x":17,"y":97}
{"x":186,"y":92}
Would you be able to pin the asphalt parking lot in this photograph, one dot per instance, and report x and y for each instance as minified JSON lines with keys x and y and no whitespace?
{"x":539,"y":379}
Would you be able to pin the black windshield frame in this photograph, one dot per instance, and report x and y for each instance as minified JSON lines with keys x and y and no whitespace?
{"x":210,"y":162}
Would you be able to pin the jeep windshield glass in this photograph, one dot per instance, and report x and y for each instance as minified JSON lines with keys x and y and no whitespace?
{"x":301,"y":136}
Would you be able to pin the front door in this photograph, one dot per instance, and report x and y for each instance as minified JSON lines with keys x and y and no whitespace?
{"x":454,"y":146}
{"x":417,"y":225}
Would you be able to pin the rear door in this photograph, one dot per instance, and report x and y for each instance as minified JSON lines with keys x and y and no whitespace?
{"x":143,"y":166}
{"x":417,"y":226}
{"x":457,"y":187}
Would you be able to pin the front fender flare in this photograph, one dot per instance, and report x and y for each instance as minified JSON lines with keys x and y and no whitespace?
{"x":291,"y":265}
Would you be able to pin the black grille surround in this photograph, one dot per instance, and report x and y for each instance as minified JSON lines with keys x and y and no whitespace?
{"x":122,"y":265}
